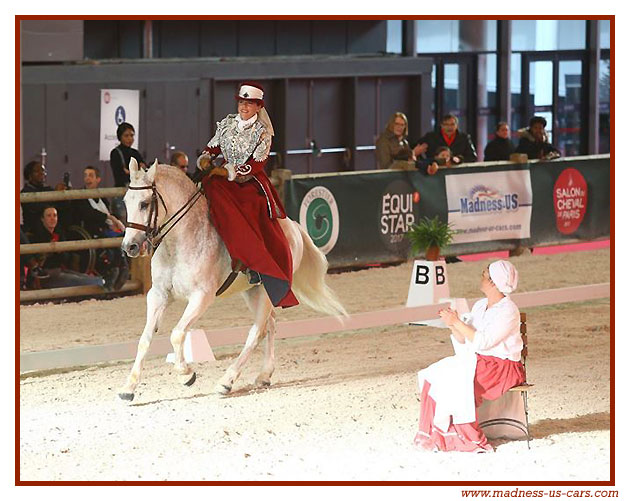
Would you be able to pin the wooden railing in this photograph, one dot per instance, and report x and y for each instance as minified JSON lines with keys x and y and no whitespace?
{"x":140,"y":279}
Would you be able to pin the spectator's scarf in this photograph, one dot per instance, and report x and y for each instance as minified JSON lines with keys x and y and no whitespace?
{"x":449,"y":139}
{"x":99,"y":206}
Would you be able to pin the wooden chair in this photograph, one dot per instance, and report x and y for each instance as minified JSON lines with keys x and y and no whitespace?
{"x":522,"y":388}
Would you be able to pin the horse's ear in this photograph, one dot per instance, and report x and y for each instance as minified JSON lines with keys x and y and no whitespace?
{"x":151,"y":171}
{"x":133,"y":168}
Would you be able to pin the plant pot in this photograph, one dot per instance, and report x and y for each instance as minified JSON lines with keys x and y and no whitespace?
{"x":433,"y":253}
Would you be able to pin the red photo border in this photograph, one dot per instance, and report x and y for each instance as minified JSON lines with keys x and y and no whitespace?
{"x":610,"y":482}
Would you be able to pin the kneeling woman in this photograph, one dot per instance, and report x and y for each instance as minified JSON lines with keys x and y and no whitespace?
{"x":244,"y":206}
{"x":485,"y":366}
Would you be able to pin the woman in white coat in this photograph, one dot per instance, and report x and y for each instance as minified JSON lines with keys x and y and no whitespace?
{"x":486,"y":364}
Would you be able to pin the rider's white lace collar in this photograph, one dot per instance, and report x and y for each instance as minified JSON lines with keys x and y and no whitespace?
{"x":241,"y":124}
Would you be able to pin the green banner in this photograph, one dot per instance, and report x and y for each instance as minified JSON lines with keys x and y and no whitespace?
{"x":361,"y":218}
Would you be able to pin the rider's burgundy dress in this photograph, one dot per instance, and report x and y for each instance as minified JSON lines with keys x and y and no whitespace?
{"x":245,"y":211}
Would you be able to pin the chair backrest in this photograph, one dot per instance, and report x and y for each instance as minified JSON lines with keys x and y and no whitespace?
{"x":524,"y":338}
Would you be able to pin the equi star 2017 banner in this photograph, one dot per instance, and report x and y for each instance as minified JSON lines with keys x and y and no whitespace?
{"x":490,"y":206}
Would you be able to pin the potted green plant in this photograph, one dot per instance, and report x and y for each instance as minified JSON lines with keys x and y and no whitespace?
{"x":430,"y":235}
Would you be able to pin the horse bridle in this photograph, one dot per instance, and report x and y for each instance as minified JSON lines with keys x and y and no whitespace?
{"x":152,"y":231}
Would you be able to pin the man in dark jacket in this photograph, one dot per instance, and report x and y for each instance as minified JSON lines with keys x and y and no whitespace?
{"x":95,"y":216}
{"x":534,"y":141}
{"x":501,"y":147}
{"x":94,"y":213}
{"x":449,"y":136}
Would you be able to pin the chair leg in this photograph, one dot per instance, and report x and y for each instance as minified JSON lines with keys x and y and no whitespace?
{"x":524,"y":394}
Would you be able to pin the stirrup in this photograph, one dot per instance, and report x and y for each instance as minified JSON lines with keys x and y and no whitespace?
{"x":230,"y":279}
{"x":254,"y":277}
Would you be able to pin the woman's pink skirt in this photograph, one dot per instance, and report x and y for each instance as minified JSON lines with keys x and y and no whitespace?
{"x":493,"y":377}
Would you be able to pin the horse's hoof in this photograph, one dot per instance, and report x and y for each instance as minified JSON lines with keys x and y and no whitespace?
{"x":222,"y":389}
{"x":192,"y":379}
{"x":262,"y":383}
{"x":128,"y":397}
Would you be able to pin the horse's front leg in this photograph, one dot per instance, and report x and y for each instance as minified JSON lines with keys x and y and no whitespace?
{"x":157,"y":300}
{"x":262,"y":307}
{"x":198,"y":303}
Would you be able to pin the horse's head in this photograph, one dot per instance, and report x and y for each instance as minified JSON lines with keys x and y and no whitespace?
{"x":143,"y":213}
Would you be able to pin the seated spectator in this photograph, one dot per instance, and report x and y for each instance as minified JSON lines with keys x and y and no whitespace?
{"x":501,"y":147}
{"x":459,"y":142}
{"x":534,"y":141}
{"x":35,"y":176}
{"x":392,"y":144}
{"x":486,"y":364}
{"x":443,"y":158}
{"x":55,"y":264}
{"x":30,"y":271}
{"x":180,"y":159}
{"x":94,"y":215}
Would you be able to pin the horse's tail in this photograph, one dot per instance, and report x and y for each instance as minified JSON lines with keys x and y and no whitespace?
{"x":309,"y":283}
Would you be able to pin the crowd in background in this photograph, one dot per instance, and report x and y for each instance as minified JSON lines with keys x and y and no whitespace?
{"x":448,"y":146}
{"x":43,"y":222}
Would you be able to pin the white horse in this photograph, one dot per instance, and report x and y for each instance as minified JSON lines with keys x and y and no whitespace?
{"x":192,"y":262}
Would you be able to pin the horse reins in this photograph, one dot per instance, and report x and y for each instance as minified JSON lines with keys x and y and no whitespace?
{"x":152,"y":231}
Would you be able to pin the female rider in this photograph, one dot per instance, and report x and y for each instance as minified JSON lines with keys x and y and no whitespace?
{"x":244,"y":205}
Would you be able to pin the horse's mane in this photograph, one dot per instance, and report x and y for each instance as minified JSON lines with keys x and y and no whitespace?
{"x":173,"y":175}
{"x":180,"y":189}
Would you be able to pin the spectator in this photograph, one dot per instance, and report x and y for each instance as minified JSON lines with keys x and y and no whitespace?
{"x":443,"y":157}
{"x":35,"y":176}
{"x":448,"y":135}
{"x":534,"y":141}
{"x":30,"y":272}
{"x":501,"y":147}
{"x":486,"y":364}
{"x":55,"y":263}
{"x":121,"y":155}
{"x":94,"y":215}
{"x":119,"y":162}
{"x":392,"y":144}
{"x":180,"y":159}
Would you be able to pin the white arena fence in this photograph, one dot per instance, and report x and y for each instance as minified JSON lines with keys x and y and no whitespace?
{"x":90,"y":355}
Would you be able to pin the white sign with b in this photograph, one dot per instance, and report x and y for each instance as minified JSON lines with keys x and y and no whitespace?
{"x":429,"y":285}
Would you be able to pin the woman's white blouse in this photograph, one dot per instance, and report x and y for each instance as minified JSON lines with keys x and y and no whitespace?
{"x":497,"y":329}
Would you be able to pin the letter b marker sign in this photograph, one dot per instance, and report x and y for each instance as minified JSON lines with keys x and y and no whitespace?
{"x":428,"y":284}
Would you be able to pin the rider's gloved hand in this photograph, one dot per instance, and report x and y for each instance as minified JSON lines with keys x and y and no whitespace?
{"x":204,"y":161}
{"x":204,"y":165}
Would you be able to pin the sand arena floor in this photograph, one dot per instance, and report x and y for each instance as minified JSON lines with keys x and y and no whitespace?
{"x":341,"y":407}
